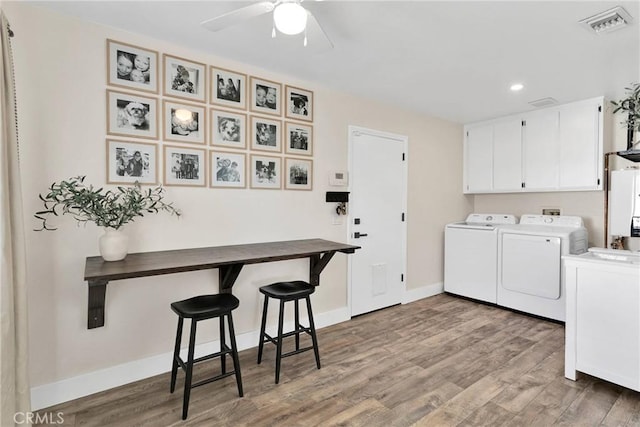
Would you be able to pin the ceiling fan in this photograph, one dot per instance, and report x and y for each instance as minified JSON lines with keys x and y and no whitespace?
{"x":289,"y":18}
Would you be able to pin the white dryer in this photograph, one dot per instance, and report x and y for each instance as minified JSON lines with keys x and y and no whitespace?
{"x":470,"y":255}
{"x":529,"y":262}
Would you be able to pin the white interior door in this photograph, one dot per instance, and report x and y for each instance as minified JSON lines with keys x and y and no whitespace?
{"x":376,"y":213}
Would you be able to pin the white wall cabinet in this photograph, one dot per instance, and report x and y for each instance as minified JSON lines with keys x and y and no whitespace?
{"x":541,"y":150}
{"x":554,"y":149}
{"x":479,"y":158}
{"x":493,"y":152}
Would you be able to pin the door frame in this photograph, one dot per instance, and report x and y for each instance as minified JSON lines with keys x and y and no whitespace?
{"x":404,"y":140}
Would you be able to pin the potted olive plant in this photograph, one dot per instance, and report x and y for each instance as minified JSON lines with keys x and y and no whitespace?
{"x":110,"y":209}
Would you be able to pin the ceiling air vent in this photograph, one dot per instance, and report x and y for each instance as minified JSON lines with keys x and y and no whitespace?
{"x":607,"y":21}
{"x":543,"y":102}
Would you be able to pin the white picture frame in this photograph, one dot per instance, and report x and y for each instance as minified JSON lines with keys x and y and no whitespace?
{"x":132,"y":115}
{"x":129,"y":162}
{"x":266,"y":134}
{"x":184,"y":79}
{"x":299,"y":104}
{"x":228,"y":169}
{"x":298,"y":174}
{"x":298,"y":139}
{"x":266,"y":172}
{"x":228,"y":88}
{"x":266,"y":97}
{"x":185,"y":166}
{"x":132,"y":67}
{"x":184,"y":122}
{"x":228,"y":129}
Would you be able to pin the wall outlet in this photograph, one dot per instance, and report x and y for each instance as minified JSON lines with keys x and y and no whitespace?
{"x":551,"y":211}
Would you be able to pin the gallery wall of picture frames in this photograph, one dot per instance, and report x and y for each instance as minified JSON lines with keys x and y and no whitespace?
{"x":180,"y":122}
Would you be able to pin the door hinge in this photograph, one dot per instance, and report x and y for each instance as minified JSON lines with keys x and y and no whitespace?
{"x":524,"y":123}
{"x":467,"y":134}
{"x":402,"y":277}
{"x":600,"y":108}
{"x":598,"y":181}
{"x":403,"y":157}
{"x":402,"y":216}
{"x":523,"y":185}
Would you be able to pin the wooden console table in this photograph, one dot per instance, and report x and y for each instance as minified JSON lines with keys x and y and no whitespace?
{"x":229,"y":260}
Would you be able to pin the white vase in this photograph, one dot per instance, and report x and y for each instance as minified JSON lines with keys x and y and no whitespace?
{"x":113,"y":244}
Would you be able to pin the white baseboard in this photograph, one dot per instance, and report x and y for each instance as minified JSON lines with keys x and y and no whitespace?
{"x":416,"y":294}
{"x":68,"y":389}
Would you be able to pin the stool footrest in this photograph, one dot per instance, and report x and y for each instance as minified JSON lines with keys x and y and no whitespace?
{"x":210,"y":380}
{"x":291,"y":353}
{"x":225,"y":351}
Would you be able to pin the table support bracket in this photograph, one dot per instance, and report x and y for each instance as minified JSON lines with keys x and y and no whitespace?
{"x":227,"y":276}
{"x":97,"y":293}
{"x":317,"y":264}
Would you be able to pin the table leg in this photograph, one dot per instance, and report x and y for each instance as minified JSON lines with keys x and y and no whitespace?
{"x":97,"y":293}
{"x":227,"y":276}
{"x":317,"y":264}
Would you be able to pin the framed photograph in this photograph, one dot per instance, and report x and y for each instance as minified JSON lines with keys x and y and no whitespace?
{"x":266,"y":134}
{"x":265,"y":172}
{"x":299,"y":104}
{"x":298,"y":174}
{"x":184,"y":79}
{"x":184,"y":122}
{"x":132,"y":115}
{"x":266,"y":96}
{"x":228,"y":170}
{"x":132,"y":66}
{"x":128,"y":162}
{"x":184,"y":166}
{"x":228,"y":129}
{"x":298,"y":139}
{"x":228,"y":88}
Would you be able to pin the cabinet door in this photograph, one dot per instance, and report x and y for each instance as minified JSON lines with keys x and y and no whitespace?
{"x":580,"y":146}
{"x":607,"y":319}
{"x":479,"y":159}
{"x":541,"y":152}
{"x":507,"y":155}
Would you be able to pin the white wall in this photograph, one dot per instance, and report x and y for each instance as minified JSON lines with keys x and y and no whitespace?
{"x":61,"y":85}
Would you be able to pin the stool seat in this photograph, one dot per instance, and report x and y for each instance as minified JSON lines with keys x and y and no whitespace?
{"x":288,"y":290}
{"x":205,"y":306}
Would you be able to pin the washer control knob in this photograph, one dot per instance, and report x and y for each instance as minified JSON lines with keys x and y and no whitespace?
{"x":548,"y":220}
{"x":489,"y":218}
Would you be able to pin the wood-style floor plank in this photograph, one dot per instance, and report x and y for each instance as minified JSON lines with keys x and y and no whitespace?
{"x":441,"y":361}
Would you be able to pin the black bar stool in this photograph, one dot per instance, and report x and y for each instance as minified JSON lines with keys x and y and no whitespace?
{"x":201,"y":308}
{"x":288,"y":291}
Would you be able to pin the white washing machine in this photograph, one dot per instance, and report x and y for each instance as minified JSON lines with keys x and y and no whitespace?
{"x":529,"y":262}
{"x":470,"y":255}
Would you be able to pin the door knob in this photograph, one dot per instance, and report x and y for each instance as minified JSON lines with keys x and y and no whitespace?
{"x":358,"y":235}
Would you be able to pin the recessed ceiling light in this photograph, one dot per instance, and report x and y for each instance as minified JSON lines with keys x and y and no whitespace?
{"x":517,"y":87}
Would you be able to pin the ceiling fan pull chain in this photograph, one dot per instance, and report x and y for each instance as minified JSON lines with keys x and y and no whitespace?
{"x":273,"y":30}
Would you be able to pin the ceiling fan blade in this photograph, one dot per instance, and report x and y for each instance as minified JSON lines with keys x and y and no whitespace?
{"x":316,"y":33}
{"x":237,"y":16}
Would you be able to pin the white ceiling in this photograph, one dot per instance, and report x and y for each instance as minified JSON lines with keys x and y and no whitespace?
{"x":450,"y":59}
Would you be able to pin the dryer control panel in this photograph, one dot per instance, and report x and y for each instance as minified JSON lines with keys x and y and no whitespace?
{"x":552,"y":220}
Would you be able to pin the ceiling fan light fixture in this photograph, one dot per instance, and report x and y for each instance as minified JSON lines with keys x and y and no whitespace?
{"x":290,"y":18}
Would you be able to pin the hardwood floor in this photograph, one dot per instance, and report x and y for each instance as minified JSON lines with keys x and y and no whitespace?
{"x":441,"y":361}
